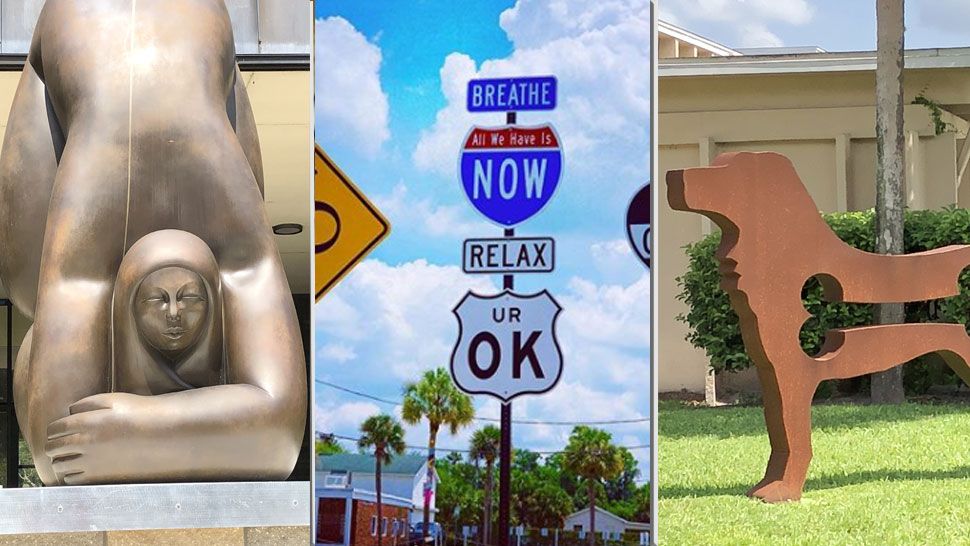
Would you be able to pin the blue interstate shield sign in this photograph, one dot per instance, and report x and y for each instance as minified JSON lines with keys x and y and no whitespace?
{"x":510,"y":173}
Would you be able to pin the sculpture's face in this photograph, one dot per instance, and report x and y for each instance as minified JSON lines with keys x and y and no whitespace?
{"x":171,"y":307}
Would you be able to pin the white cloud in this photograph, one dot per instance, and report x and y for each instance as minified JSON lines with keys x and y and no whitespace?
{"x":533,"y":23}
{"x":605,"y":334}
{"x":599,"y":52}
{"x":793,"y":12}
{"x":603,"y":331}
{"x":336,"y":352}
{"x":608,"y":250}
{"x":747,"y":20}
{"x":343,"y":417}
{"x":756,"y":35}
{"x":403,"y":209}
{"x":349,"y":102}
{"x":407,"y":308}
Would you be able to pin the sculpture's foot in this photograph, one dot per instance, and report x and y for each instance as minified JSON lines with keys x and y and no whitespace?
{"x":775,"y":491}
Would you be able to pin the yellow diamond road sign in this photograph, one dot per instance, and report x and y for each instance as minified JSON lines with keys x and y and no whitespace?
{"x":346,"y":225}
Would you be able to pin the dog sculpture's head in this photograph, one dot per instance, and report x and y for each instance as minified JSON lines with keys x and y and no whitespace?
{"x":751,"y":196}
{"x":738,"y":185}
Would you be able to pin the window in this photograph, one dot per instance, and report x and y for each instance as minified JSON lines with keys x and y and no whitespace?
{"x":14,"y":471}
{"x":578,"y":528}
{"x":396,"y":527}
{"x":373,"y":526}
{"x":384,"y":527}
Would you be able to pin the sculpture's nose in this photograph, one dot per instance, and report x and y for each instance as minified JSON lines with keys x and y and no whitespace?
{"x":676,"y":191}
{"x":173,"y":311}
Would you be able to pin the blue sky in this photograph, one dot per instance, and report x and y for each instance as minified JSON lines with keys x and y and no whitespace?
{"x":834,"y":25}
{"x":390,"y":80}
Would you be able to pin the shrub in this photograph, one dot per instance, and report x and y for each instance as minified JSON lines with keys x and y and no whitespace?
{"x":713,"y":325}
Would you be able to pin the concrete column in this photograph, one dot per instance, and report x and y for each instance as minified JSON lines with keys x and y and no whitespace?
{"x":706,"y":151}
{"x":348,"y":518}
{"x":842,"y":150}
{"x":963,"y":161}
{"x":914,"y":183}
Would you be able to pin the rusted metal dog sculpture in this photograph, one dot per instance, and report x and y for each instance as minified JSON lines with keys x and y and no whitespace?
{"x":773,"y":240}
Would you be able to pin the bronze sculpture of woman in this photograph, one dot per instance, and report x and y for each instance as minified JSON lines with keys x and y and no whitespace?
{"x":131,"y":118}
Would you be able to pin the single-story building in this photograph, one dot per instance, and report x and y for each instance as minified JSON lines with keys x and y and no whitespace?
{"x":817,"y":108}
{"x":348,"y":516}
{"x":404,"y":477}
{"x":605,"y":522}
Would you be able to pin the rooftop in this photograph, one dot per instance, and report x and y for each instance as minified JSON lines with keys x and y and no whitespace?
{"x":668,"y":30}
{"x":364,"y":464}
{"x":851,"y":61}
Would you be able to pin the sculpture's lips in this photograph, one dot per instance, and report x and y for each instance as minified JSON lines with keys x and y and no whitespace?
{"x":174,"y":333}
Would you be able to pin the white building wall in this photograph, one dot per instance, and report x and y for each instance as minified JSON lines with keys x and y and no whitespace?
{"x":604,"y":522}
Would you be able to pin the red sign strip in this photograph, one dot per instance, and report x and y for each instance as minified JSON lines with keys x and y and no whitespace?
{"x":512,"y":137}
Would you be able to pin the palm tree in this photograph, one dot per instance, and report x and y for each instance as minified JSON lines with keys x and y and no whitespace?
{"x":386,"y":435}
{"x":592,"y":456}
{"x":436,"y":399}
{"x":485,"y":445}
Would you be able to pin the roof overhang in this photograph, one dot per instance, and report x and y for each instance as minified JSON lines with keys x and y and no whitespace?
{"x":856,"y":61}
{"x":363,"y":495}
{"x":695,"y":40}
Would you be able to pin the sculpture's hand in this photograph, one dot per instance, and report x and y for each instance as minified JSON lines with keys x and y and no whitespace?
{"x":89,"y":445}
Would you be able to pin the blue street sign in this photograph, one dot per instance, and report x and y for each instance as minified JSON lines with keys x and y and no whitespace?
{"x":512,"y":94}
{"x":509,"y":173}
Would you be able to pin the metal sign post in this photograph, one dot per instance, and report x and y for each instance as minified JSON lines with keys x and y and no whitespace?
{"x":505,"y":446}
{"x":507,"y":344}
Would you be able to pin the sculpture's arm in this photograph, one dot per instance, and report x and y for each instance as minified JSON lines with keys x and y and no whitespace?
{"x":226,"y":432}
{"x":920,"y":276}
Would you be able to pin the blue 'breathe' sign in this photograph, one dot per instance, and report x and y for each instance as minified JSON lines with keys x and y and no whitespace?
{"x":509,"y":173}
{"x":512,"y":94}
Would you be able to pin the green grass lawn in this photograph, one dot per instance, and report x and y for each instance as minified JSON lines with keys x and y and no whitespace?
{"x":880,"y":475}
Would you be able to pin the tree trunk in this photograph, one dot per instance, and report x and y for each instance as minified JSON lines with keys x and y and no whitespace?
{"x":377,"y":481}
{"x":487,"y":523}
{"x":592,"y":513}
{"x":432,"y":440}
{"x":887,"y":387}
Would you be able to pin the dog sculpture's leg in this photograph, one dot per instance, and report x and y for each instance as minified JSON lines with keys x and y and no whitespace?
{"x":788,"y":416}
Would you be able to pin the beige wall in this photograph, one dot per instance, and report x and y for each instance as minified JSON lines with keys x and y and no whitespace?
{"x":825,"y":123}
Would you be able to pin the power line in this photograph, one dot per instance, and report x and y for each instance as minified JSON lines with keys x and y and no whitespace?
{"x":492,"y":419}
{"x":452,"y":450}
